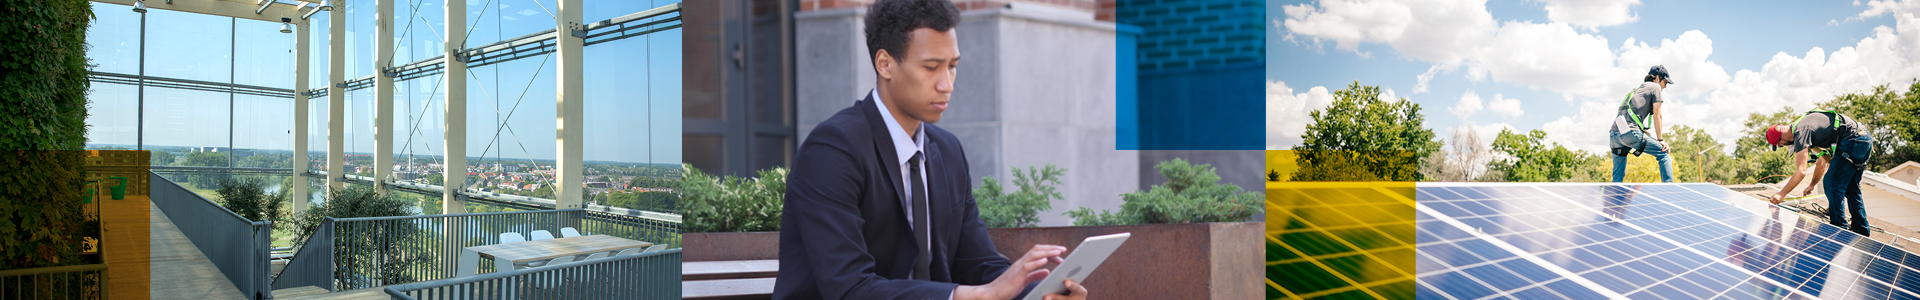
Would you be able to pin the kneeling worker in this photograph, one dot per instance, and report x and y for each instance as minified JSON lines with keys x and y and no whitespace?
{"x":1828,"y":136}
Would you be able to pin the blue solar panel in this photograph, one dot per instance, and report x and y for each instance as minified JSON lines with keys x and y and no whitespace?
{"x":1660,"y":241}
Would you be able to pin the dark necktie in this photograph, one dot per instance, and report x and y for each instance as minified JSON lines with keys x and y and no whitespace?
{"x":918,"y":195}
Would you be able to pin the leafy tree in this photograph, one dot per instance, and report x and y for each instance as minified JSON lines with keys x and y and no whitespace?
{"x":1362,"y":137}
{"x":1192,"y":194}
{"x":1893,"y":121}
{"x":1755,"y":161}
{"x":732,"y":204}
{"x":205,"y":159}
{"x":1532,"y":160}
{"x":1019,"y":208}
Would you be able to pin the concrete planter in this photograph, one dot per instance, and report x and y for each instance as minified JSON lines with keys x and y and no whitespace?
{"x":1160,"y":261}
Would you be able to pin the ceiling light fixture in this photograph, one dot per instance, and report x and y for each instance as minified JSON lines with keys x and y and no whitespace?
{"x":285,"y":26}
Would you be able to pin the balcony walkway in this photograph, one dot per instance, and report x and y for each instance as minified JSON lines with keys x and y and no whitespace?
{"x":180,"y":270}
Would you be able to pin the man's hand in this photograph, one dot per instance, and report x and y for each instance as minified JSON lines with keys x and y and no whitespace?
{"x":1023,"y":271}
{"x":1074,"y":292}
{"x":1808,"y":191}
{"x":1777,"y":197}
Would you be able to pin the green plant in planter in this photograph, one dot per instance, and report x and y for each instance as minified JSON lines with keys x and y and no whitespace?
{"x":732,"y":204}
{"x":1192,"y":194}
{"x":1020,"y":208}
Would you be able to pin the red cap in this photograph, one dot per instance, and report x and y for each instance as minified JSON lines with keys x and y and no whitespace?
{"x":1775,"y":132}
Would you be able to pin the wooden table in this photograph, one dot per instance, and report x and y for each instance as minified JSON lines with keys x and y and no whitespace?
{"x":541,"y":250}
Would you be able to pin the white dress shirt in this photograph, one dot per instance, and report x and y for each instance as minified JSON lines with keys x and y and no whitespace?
{"x":903,"y":147}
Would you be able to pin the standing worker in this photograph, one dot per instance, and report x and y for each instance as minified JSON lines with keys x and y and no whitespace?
{"x":1640,"y":112}
{"x":1826,"y":136}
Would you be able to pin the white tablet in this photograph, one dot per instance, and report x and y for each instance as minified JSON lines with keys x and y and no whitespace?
{"x":1080,"y":262}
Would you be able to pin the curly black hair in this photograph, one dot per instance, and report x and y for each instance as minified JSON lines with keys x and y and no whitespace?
{"x":889,"y":21}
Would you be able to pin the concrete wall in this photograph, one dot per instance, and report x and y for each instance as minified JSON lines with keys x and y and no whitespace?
{"x":1034,"y":87}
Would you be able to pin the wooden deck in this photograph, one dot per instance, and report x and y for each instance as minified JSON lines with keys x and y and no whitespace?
{"x":148,"y":258}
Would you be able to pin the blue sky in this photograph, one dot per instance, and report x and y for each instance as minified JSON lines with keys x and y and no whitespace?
{"x":1561,"y":66}
{"x":632,"y":85}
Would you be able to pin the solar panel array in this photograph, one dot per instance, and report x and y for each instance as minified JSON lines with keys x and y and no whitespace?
{"x":1340,"y":241}
{"x":1656,"y":241}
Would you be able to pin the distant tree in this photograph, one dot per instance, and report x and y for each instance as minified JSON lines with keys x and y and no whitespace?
{"x":1532,"y":159}
{"x":1360,"y":137}
{"x":161,"y":158}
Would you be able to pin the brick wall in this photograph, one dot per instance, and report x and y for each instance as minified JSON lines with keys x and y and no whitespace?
{"x":1182,"y":34}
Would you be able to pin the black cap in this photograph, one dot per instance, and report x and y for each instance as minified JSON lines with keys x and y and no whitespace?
{"x":1662,"y":71}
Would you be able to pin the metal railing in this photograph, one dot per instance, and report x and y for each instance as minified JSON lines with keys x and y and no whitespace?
{"x":317,"y":268}
{"x":235,"y":245}
{"x":653,"y":275}
{"x":379,"y":251}
{"x":63,"y":282}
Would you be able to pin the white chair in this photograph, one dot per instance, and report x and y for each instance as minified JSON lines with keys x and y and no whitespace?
{"x":569,"y":232}
{"x":542,"y":235}
{"x":511,"y":237}
{"x":655,"y":248}
{"x":596,"y":255}
{"x":631,"y":251}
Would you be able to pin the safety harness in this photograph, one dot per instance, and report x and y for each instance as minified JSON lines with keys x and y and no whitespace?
{"x":1626,"y":104}
{"x":1840,"y":127}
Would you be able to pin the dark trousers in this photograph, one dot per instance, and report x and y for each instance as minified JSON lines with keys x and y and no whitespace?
{"x":1843,"y":183}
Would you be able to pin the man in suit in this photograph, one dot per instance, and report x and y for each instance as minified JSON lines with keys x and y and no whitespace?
{"x":879,"y":203}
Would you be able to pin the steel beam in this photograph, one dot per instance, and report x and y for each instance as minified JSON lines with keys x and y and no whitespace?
{"x":336,"y":95}
{"x":225,"y":8}
{"x":382,"y":92}
{"x":300,"y":110}
{"x":455,"y":141}
{"x":571,"y":34}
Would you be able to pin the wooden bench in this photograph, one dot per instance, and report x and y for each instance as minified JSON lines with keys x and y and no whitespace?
{"x":735,"y":279}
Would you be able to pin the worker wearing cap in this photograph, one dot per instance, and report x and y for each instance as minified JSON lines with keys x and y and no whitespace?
{"x":1827,"y":136}
{"x":1639,"y":113}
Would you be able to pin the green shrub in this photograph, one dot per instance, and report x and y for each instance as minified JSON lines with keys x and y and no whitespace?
{"x":732,"y":204}
{"x":354,"y":201}
{"x":247,"y":196}
{"x":1020,"y":208}
{"x":1192,"y":194}
{"x":385,"y":254}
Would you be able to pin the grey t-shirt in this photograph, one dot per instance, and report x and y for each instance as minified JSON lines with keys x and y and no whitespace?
{"x":1642,"y":105}
{"x":1816,"y":131}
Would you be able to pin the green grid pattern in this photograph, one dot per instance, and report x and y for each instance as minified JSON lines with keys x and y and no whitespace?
{"x":1345,"y":242}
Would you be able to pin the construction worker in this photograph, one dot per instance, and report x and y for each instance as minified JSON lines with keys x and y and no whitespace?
{"x":1827,"y":136}
{"x":1639,"y":113}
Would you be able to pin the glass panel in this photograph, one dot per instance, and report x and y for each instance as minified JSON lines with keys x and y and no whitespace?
{"x":511,"y":126}
{"x":189,"y":45}
{"x":113,"y":40}
{"x":176,"y":121}
{"x":112,"y":116}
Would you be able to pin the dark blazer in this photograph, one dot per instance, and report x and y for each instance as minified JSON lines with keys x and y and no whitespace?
{"x":844,"y":233}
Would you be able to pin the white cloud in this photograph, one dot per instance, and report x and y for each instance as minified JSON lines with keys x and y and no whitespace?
{"x":1438,"y":31}
{"x":1585,"y":130}
{"x":1584,"y":70}
{"x":1287,"y":113}
{"x":1468,"y":104}
{"x":1591,"y":14}
{"x":1505,"y":107}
